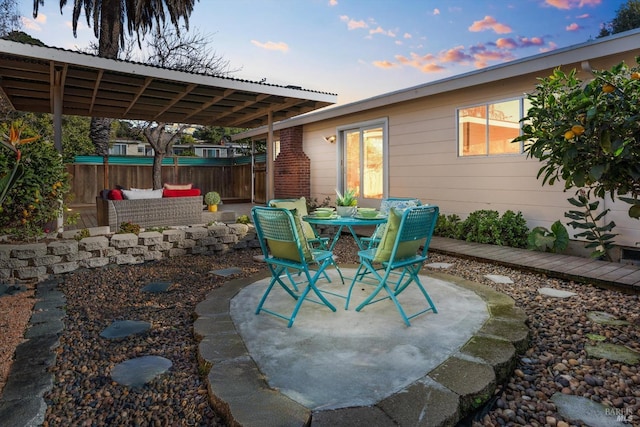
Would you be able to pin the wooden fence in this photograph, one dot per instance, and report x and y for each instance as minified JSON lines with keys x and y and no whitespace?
{"x":229,"y":177}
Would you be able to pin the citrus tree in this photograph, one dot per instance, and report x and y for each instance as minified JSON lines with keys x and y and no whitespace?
{"x":588,"y":133}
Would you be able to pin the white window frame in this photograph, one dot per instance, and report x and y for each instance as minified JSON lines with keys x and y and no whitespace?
{"x":341,"y":147}
{"x":459,"y":141}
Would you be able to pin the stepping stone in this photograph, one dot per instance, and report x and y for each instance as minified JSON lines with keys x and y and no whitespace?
{"x":157,"y":287}
{"x":604,"y":318}
{"x":439,"y":265}
{"x":140,"y":370}
{"x":587,"y":411}
{"x":496,"y":278}
{"x":596,"y":337}
{"x":556,"y":293}
{"x":226,"y":272}
{"x":124,"y":328}
{"x":616,"y":352}
{"x":258,"y":258}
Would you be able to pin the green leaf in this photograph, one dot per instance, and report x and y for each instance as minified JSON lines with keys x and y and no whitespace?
{"x":605,"y":141}
{"x":596,"y":172}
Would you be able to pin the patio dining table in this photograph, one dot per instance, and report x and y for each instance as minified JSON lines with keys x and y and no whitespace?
{"x":347,"y":221}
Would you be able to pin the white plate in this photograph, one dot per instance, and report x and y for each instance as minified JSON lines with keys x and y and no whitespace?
{"x":379,"y":216}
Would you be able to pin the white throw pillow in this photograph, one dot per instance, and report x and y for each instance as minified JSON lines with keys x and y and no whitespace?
{"x":142,"y":194}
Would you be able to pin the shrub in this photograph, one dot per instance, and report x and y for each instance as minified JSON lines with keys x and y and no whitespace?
{"x":482,"y":226}
{"x":485,"y":226}
{"x":129,"y":227}
{"x":448,"y":226}
{"x":38,"y":195}
{"x":514,"y":230}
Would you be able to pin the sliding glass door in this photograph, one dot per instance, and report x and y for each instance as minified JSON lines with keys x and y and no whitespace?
{"x":363,"y":161}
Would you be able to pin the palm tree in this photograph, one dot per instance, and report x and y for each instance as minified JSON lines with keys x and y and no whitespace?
{"x":108,"y":26}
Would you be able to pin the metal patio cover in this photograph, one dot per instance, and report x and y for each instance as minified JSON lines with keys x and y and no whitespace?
{"x":59,"y":81}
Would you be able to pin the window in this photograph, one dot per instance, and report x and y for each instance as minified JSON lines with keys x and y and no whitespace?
{"x":363,"y":164}
{"x":118,"y":150}
{"x":210,"y":152}
{"x":488,"y":129}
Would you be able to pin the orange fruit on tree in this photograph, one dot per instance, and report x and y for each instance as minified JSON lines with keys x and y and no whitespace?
{"x":569,"y":135}
{"x":608,"y":88}
{"x":577,"y":129}
{"x":635,"y":75}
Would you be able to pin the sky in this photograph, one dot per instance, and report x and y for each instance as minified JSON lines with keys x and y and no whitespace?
{"x":359,"y":49}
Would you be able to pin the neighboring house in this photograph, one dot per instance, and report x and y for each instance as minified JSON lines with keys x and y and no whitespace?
{"x":446,"y":142}
{"x":128,"y":147}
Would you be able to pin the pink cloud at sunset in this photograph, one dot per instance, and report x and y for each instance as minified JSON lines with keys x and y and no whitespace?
{"x":573,"y":27}
{"x":490,"y":23}
{"x":572,"y":4}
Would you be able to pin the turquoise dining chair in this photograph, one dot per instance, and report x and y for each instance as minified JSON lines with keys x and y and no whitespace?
{"x":313,"y":238}
{"x":385,"y":206}
{"x":397,"y":260}
{"x":285,"y":248}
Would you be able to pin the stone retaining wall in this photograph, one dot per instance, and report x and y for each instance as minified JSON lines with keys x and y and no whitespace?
{"x":36,"y":261}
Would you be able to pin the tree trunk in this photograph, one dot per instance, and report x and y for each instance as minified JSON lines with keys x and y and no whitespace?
{"x":157,"y":170}
{"x":108,"y":46}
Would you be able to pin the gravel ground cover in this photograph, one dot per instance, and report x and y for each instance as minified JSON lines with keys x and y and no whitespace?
{"x":85,"y":394}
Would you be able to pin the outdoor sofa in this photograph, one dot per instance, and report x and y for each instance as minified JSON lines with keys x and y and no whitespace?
{"x":150,"y":208}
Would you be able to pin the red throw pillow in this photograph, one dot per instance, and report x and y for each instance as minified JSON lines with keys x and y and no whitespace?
{"x":115,"y":194}
{"x":181,"y":193}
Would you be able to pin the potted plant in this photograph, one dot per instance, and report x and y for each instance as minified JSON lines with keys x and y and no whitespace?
{"x":212,"y":199}
{"x":347,"y":203}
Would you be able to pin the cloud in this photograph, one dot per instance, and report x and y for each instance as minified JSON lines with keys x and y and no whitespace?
{"x":281,"y":46}
{"x":34,"y":24}
{"x":572,"y":4}
{"x":482,"y":58}
{"x":573,"y":27}
{"x":333,"y":2}
{"x":552,"y":46}
{"x":352,"y":24}
{"x":456,"y":55}
{"x":506,"y":43}
{"x":384,"y":64}
{"x":489,"y":23}
{"x":436,"y":11}
{"x":407,"y":36}
{"x":583,"y":16}
{"x":528,"y":42}
{"x":424,"y":63}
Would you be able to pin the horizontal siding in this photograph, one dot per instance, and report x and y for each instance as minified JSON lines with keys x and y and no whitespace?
{"x":423,"y":160}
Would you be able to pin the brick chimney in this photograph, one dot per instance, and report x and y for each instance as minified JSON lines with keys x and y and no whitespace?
{"x":292,"y":167}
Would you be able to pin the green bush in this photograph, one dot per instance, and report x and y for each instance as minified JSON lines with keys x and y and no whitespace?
{"x":485,"y":226}
{"x":514,"y":230}
{"x":36,"y":198}
{"x":481,"y":226}
{"x":448,"y":226}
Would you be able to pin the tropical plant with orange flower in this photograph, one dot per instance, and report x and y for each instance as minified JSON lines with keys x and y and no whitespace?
{"x":13,"y":141}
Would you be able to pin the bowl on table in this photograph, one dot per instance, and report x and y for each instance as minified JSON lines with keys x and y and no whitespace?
{"x":367,"y":212}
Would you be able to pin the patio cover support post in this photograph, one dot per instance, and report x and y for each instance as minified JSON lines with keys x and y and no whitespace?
{"x":57,"y":93}
{"x":270,"y":156}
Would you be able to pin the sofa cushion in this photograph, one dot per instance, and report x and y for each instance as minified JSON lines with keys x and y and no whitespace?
{"x":181,"y":193}
{"x":168,"y":186}
{"x":115,"y":194}
{"x":142,"y":194}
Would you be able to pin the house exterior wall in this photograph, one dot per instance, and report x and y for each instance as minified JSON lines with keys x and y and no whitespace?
{"x":423,"y":159}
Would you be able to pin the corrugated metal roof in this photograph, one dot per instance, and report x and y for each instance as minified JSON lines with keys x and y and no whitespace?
{"x":33,"y":76}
